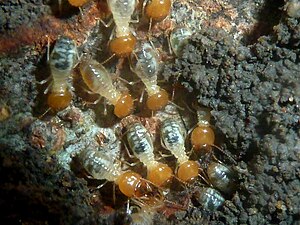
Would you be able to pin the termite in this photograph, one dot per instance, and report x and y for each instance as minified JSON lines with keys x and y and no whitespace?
{"x":203,"y":135}
{"x":101,"y":167}
{"x":179,"y":38}
{"x":221,"y":177}
{"x":172,"y":136}
{"x":61,"y":62}
{"x":145,"y":63}
{"x":209,"y":198}
{"x":140,"y":143}
{"x":123,"y":43}
{"x":98,"y":80}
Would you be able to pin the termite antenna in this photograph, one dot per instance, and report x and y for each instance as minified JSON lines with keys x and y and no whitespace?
{"x":41,"y":116}
{"x":108,"y":59}
{"x":48,"y":47}
{"x":60,"y":7}
{"x":225,"y":153}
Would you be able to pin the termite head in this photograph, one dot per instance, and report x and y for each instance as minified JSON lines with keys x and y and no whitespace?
{"x":58,"y":101}
{"x":202,"y":136}
{"x":188,"y":171}
{"x":122,"y":46}
{"x":124,"y":106}
{"x":160,"y":174}
{"x":77,"y":3}
{"x":132,"y":184}
{"x":158,"y":100}
{"x":158,"y":10}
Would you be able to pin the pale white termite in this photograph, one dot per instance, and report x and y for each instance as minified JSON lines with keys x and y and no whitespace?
{"x":61,"y":63}
{"x":179,"y":38}
{"x":100,"y":166}
{"x":221,"y":177}
{"x":140,"y":143}
{"x":145,"y":64}
{"x":172,"y":136}
{"x":124,"y":42}
{"x":209,"y":198}
{"x":99,"y":81}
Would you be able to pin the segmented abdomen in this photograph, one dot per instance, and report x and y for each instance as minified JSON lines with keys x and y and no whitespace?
{"x":98,"y":80}
{"x":140,"y":142}
{"x":98,"y":165}
{"x":172,"y":135}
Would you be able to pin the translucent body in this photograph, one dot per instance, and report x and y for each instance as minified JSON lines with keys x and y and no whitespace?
{"x":203,"y":135}
{"x":221,"y":177}
{"x":61,"y":62}
{"x":172,"y":138}
{"x":101,"y":167}
{"x":99,"y":81}
{"x":123,"y":43}
{"x":122,"y":11}
{"x":158,"y":10}
{"x":140,"y":142}
{"x":209,"y":198}
{"x":146,"y":66}
{"x":179,"y":38}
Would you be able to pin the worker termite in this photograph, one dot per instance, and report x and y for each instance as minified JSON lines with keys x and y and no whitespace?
{"x":179,"y":38}
{"x":98,"y":80}
{"x":140,"y":143}
{"x":209,"y":198}
{"x":123,"y":43}
{"x":156,"y":10}
{"x":61,"y":61}
{"x":203,"y":136}
{"x":144,"y":62}
{"x":221,"y":177}
{"x":101,"y":167}
{"x":172,"y":136}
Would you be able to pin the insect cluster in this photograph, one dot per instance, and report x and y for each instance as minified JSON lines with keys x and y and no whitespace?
{"x":145,"y":187}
